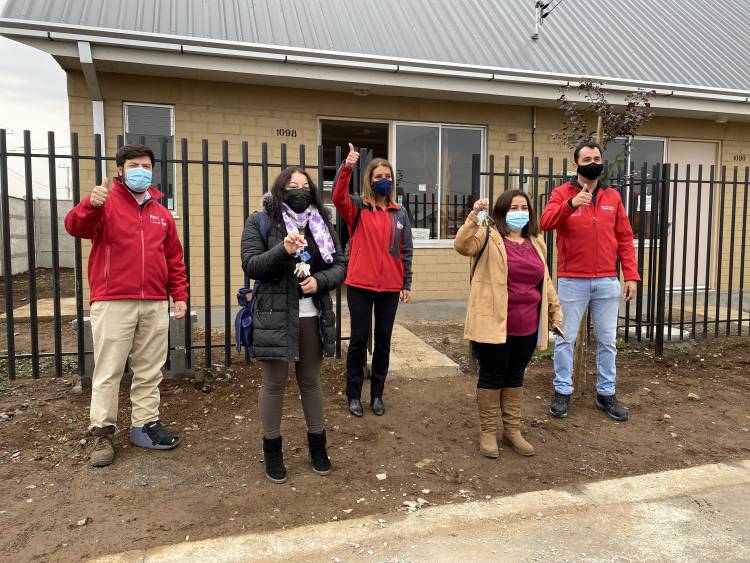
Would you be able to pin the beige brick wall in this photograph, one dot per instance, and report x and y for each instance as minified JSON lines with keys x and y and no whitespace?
{"x":217,"y":111}
{"x":440,"y":273}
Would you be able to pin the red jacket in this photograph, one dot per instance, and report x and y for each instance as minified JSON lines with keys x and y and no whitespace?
{"x":590,"y":238}
{"x":135,"y":253}
{"x":380,"y":252}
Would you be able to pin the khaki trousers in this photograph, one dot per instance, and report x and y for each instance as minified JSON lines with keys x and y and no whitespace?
{"x":121,"y":328}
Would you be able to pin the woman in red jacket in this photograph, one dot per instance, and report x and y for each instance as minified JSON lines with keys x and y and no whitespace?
{"x":379,"y":272}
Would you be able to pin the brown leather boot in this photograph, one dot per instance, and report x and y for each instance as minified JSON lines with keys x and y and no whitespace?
{"x":512,"y":399}
{"x":103,"y":452}
{"x":488,"y":401}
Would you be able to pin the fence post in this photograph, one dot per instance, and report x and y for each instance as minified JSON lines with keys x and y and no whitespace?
{"x":476,"y":164}
{"x":207,"y":357}
{"x":75,"y":175}
{"x":7,"y":255}
{"x":227,"y":255}
{"x":31,"y":250}
{"x":186,"y":248}
{"x":54,"y":239}
{"x":662,"y":267}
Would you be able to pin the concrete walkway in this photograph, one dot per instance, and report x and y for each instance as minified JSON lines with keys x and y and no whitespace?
{"x":696,"y":514}
{"x":45,"y":310}
{"x":411,"y":357}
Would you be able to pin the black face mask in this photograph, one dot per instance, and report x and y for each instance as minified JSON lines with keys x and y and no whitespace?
{"x":591,"y":171}
{"x":298,"y":199}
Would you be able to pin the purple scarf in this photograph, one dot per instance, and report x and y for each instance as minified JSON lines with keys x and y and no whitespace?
{"x":298,"y":221}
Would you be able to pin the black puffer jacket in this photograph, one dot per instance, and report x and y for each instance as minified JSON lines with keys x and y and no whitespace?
{"x":276,"y":317}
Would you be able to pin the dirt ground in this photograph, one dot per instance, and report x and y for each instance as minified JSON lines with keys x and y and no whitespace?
{"x":45,"y":329}
{"x":57,"y":508}
{"x":43,"y":286}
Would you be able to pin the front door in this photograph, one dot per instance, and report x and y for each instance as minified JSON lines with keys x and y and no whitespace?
{"x":689,"y":212}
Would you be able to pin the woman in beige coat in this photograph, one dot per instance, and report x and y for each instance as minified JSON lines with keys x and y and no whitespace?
{"x":512,"y":306}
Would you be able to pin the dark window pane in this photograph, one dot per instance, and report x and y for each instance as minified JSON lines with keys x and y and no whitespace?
{"x":416,"y":174}
{"x":616,"y":158}
{"x":458,"y":146}
{"x":648,"y":152}
{"x":151,"y":125}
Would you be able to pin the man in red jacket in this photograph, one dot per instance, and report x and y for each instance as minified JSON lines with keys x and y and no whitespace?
{"x":134,"y":266}
{"x":593,"y":231}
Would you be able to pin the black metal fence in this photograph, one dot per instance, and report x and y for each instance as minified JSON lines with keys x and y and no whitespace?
{"x":427,"y":211}
{"x":688,"y":298}
{"x":690,"y":237}
{"x":256,"y":177}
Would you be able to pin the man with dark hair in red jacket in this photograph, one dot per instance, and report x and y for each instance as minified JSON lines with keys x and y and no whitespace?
{"x":593,"y":231}
{"x":134,"y":267}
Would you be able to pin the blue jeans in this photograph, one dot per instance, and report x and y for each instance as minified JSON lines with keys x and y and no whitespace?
{"x":602,"y":296}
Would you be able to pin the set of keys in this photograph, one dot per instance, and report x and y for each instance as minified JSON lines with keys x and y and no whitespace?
{"x":483,"y":217}
{"x":302,"y":269}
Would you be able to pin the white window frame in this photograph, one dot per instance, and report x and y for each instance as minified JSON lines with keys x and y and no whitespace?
{"x":171,"y":109}
{"x":439,"y":242}
{"x":628,"y":170}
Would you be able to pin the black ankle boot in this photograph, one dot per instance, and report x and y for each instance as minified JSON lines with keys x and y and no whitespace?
{"x":377,"y":406}
{"x":355,"y":407}
{"x":274,"y":459}
{"x":318,"y":453}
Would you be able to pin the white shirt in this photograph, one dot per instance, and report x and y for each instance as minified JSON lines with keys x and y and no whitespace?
{"x":307,"y":308}
{"x":144,"y":200}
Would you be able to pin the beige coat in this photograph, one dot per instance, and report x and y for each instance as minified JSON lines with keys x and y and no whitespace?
{"x":487,"y":312}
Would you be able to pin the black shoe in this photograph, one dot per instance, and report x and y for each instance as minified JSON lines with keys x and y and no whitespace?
{"x":377,"y":406}
{"x":161,"y":435}
{"x":559,"y":406}
{"x":274,"y":459}
{"x":318,"y":454}
{"x":610,"y":405}
{"x":355,"y":407}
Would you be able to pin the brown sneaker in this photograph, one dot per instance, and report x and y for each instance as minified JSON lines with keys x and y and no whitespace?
{"x":103,"y":452}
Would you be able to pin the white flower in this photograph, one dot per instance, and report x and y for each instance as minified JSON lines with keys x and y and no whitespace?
{"x":302,"y":270}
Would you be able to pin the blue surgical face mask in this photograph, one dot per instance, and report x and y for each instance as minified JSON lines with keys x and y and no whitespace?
{"x":138,"y":179}
{"x":517,"y":220}
{"x":383,"y":187}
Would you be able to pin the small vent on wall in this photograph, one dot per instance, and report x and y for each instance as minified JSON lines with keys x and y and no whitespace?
{"x":512,"y":137}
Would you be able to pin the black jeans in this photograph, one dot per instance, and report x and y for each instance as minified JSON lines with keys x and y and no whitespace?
{"x":503,"y":365}
{"x":361,"y":303}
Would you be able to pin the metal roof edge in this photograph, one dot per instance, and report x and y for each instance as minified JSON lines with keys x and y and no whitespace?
{"x":214,"y":47}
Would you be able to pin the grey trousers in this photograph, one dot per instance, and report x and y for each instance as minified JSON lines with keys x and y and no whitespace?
{"x":276,"y":373}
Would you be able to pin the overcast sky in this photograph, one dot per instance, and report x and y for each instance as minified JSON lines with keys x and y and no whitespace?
{"x":33,"y":96}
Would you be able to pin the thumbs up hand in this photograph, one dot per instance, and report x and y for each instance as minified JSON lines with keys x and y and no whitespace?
{"x":100,"y":193}
{"x":352,"y":157}
{"x":583,"y":198}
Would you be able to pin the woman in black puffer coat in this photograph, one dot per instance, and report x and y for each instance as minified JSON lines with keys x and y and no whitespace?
{"x":297,"y":262}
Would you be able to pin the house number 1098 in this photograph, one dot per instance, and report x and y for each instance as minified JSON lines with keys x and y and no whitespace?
{"x":286,"y":132}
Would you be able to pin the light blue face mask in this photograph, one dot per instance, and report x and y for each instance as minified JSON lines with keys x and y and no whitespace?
{"x":138,"y":179}
{"x":517,"y":220}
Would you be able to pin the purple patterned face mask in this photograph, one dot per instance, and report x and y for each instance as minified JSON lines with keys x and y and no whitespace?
{"x":294,"y":221}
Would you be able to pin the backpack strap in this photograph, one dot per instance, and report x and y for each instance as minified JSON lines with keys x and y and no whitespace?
{"x":356,"y":221}
{"x":360,"y":204}
{"x":476,"y":261}
{"x":264,"y":225}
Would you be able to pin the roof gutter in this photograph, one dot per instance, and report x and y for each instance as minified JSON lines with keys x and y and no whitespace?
{"x":275,"y":53}
{"x":97,"y":100}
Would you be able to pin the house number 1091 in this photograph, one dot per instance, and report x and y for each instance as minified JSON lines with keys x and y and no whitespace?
{"x":286,"y":132}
